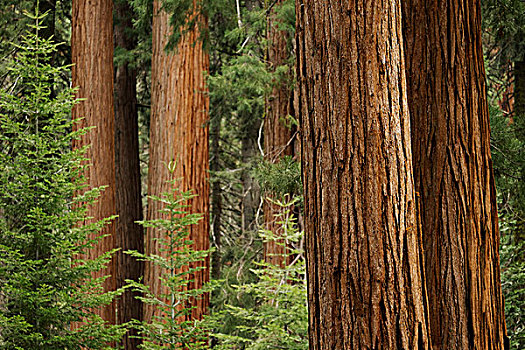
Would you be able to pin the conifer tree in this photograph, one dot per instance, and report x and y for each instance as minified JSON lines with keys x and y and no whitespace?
{"x":364,"y":253}
{"x":178,"y":135}
{"x":92,"y":73}
{"x":45,"y":284}
{"x":129,"y":234}
{"x":453,"y":173}
{"x":278,"y":133}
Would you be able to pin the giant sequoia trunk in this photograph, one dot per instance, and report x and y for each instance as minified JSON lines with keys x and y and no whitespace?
{"x":453,"y":173}
{"x":364,"y":255}
{"x":278,"y":140}
{"x":129,"y":235}
{"x":92,"y":73}
{"x":178,"y":133}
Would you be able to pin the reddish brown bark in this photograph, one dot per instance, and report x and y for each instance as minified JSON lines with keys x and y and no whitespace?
{"x":92,"y":73}
{"x":178,"y":133}
{"x":129,"y":234}
{"x":453,"y":173}
{"x":278,"y":137}
{"x":364,"y":256}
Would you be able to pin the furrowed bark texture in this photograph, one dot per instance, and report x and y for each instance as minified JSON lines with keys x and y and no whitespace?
{"x":278,"y":140}
{"x":178,"y":132}
{"x":129,"y":235}
{"x":92,"y":73}
{"x":364,"y":256}
{"x":453,"y":173}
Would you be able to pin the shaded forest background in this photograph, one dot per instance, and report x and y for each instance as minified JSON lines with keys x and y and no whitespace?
{"x":251,"y":46}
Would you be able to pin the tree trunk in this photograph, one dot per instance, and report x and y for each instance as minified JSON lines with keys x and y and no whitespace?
{"x":278,"y":140}
{"x":178,"y":133}
{"x":48,"y":27}
{"x":129,"y":235}
{"x":519,"y":98}
{"x":92,"y":73}
{"x":216,"y":196}
{"x":519,"y":122}
{"x":49,"y":22}
{"x":364,"y":254}
{"x":251,"y":192}
{"x":453,"y":173}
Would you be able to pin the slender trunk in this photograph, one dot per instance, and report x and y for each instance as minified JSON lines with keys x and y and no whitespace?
{"x":519,"y":121}
{"x":364,"y":255}
{"x":129,"y":234}
{"x":453,"y":173}
{"x":216,"y":196}
{"x":92,"y":73}
{"x":251,"y":198}
{"x":49,"y":22}
{"x":251,"y":193}
{"x":278,"y":140}
{"x":178,"y":133}
{"x":47,"y":31}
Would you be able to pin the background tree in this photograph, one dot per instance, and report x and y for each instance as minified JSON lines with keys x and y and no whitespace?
{"x":45,"y":284}
{"x":503,"y":43}
{"x":364,"y":264}
{"x":129,"y":234}
{"x":178,"y":136}
{"x":92,"y":73}
{"x":453,"y":173}
{"x":279,"y":130}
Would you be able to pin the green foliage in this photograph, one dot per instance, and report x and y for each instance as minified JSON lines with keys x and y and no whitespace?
{"x":513,"y":286}
{"x":278,"y":319}
{"x":504,"y":21}
{"x":280,"y":178}
{"x":45,"y":284}
{"x":507,"y":158}
{"x":178,"y":262}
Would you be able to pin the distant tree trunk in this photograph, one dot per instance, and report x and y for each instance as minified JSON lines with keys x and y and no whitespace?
{"x":216,"y":196}
{"x":278,"y":140}
{"x":129,"y":235}
{"x":92,"y":73}
{"x":48,"y":26}
{"x":519,"y":121}
{"x":364,"y":254}
{"x":49,"y":22}
{"x":251,"y":193}
{"x":178,"y":133}
{"x":453,"y":173}
{"x":519,"y":97}
{"x":251,"y":198}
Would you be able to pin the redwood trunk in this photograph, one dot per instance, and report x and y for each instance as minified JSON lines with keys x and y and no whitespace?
{"x":92,"y":73}
{"x":364,"y":255}
{"x":178,"y":133}
{"x":278,"y":140}
{"x":453,"y":173}
{"x":129,"y":234}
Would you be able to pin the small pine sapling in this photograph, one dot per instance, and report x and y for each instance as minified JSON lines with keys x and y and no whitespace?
{"x":279,"y":318}
{"x":45,"y":286}
{"x":170,"y":328}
